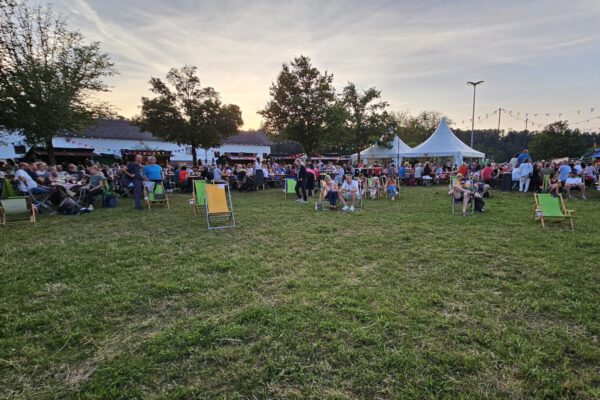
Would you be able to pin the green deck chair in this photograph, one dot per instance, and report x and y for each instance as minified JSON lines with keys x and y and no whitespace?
{"x":7,"y":190}
{"x":546,"y":183}
{"x":16,"y":209}
{"x":551,"y":208}
{"x":156,"y":196}
{"x":199,"y":190}
{"x":290,"y":187}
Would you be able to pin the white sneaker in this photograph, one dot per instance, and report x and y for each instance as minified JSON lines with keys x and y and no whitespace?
{"x":345,"y":208}
{"x":90,"y":207}
{"x":351,"y":208}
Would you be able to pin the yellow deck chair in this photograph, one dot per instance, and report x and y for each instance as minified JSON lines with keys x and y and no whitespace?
{"x":551,"y":208}
{"x":156,"y":196}
{"x":218,"y":206}
{"x":16,"y":209}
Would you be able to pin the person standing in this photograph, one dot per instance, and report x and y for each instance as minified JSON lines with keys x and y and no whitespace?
{"x":301,"y":176}
{"x":526,"y":172}
{"x":134,"y":172}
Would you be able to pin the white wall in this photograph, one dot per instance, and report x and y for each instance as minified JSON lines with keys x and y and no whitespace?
{"x":180,"y":153}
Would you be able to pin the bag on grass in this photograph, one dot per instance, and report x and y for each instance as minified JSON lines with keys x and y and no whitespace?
{"x":479,"y":204}
{"x":68,"y":207}
{"x":110,"y":201}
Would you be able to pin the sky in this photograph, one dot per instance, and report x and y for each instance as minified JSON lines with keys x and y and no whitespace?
{"x":536,"y":57}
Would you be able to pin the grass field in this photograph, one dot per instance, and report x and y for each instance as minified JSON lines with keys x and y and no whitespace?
{"x":401,"y":300}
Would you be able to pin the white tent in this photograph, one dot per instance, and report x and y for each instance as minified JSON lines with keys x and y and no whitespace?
{"x":443,"y":143}
{"x":376,"y":152}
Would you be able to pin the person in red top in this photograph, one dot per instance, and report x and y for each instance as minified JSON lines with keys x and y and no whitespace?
{"x":377,"y":169}
{"x":463,"y":169}
{"x":183,"y":179}
{"x":486,"y":174}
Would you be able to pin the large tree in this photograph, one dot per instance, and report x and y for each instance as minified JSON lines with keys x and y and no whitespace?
{"x":557,"y":140}
{"x":303,"y":106}
{"x":48,"y":74}
{"x":186,"y":113}
{"x":367,"y":120}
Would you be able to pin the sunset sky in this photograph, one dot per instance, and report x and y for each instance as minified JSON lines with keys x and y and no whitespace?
{"x":537,"y":57}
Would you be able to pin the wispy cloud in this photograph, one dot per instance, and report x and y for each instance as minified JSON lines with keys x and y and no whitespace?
{"x":418,"y":53}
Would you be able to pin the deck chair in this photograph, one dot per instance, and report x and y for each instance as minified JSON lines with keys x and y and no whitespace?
{"x":7,"y":189}
{"x":218,"y":206}
{"x":546,"y":183}
{"x":156,"y":196}
{"x":17,"y":209}
{"x":455,"y":202}
{"x":198,"y":193}
{"x":290,"y":187}
{"x":551,"y":208}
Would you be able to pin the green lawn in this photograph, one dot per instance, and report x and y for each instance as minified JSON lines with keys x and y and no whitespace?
{"x":401,"y":300}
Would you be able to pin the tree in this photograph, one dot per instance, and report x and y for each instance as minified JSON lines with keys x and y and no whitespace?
{"x":367,"y":119}
{"x":47,"y":75}
{"x":186,"y":113}
{"x":303,"y":106}
{"x":557,"y":140}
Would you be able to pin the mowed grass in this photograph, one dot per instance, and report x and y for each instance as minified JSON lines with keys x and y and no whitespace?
{"x":401,"y":300}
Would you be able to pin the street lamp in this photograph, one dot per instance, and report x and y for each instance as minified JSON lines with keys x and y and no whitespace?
{"x":474,"y":84}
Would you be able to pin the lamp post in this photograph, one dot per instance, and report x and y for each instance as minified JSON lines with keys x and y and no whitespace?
{"x":474,"y":84}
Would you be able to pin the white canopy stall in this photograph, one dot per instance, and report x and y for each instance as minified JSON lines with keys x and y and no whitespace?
{"x":443,"y":143}
{"x":376,"y":152}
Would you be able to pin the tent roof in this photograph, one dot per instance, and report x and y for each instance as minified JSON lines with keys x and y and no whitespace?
{"x":376,"y":151}
{"x":443,"y":142}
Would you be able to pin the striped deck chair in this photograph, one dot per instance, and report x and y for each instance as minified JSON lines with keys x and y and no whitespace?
{"x":218,"y":206}
{"x":16,"y":209}
{"x":156,"y":196}
{"x":290,"y":187}
{"x":198,"y":192}
{"x":551,"y":208}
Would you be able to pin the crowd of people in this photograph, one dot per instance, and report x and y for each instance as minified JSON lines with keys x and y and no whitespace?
{"x":338,"y":182}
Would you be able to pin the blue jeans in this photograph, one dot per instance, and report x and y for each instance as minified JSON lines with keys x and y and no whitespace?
{"x":39,"y":190}
{"x":332,"y":197}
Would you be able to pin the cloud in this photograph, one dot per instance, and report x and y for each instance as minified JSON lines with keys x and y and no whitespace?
{"x":408,"y":49}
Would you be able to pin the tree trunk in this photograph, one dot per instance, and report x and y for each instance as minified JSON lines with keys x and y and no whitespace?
{"x":194,"y":156}
{"x":50,"y":150}
{"x":357,"y":155}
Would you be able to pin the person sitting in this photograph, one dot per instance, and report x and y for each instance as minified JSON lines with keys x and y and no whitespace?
{"x":26,"y":183}
{"x":182,"y":179}
{"x":152,"y":171}
{"x":95,"y":187}
{"x":575,"y":182}
{"x":554,"y":185}
{"x":460,"y":193}
{"x":374,"y":187}
{"x":349,"y":193}
{"x":329,"y":191}
{"x":391,"y":189}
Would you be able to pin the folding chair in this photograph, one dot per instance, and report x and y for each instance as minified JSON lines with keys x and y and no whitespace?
{"x":7,"y":189}
{"x":198,"y":189}
{"x":290,"y":187}
{"x":455,"y":201}
{"x":219,"y":206}
{"x":552,"y":208}
{"x":156,"y":196}
{"x":19,"y":209}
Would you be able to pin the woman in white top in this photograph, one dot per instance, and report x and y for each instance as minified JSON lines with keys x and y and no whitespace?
{"x":526,"y":170}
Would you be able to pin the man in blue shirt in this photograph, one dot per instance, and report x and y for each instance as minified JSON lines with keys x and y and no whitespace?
{"x":152,"y":171}
{"x":563,"y":171}
{"x":524,"y":155}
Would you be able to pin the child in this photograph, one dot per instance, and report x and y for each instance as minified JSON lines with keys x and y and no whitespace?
{"x":391,"y":189}
{"x":374,"y":187}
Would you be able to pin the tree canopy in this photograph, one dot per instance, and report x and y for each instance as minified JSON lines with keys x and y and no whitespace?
{"x":48,"y":74}
{"x":185,"y":112}
{"x":303,"y":106}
